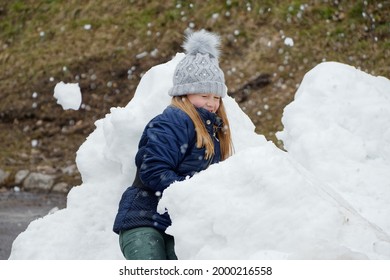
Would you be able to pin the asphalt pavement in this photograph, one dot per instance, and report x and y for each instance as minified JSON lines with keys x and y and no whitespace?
{"x":18,"y":209}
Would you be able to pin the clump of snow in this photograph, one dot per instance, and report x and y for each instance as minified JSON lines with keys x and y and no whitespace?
{"x":289,"y":41}
{"x":318,"y":200}
{"x":68,"y":95}
{"x":87,"y":26}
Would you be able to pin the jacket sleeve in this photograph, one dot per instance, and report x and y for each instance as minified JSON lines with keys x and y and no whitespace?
{"x":162,"y":153}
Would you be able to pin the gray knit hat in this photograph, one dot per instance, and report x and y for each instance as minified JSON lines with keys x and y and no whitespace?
{"x":199,"y":72}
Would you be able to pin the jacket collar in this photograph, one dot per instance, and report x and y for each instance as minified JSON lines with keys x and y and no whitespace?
{"x":209,"y":117}
{"x":206,"y":115}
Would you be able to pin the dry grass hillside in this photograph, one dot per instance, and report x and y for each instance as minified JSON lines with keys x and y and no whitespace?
{"x":106,"y":46}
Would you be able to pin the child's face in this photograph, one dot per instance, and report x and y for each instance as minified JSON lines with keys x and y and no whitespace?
{"x":210,"y":102}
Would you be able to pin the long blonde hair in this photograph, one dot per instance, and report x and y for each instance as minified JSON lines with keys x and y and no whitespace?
{"x":203,"y":138}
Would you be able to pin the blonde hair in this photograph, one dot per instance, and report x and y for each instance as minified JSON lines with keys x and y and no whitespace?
{"x":203,"y":138}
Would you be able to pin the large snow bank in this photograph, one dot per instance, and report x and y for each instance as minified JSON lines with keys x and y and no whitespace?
{"x":323,"y":199}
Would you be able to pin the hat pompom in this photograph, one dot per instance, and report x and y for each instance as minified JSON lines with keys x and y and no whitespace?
{"x":202,"y":42}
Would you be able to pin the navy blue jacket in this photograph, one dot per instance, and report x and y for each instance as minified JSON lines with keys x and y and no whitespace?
{"x":167,"y":153}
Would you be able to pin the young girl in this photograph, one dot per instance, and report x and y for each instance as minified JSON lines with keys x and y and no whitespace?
{"x":192,"y":133}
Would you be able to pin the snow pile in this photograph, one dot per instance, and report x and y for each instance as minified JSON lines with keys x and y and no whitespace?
{"x":68,"y":95}
{"x":338,"y":129}
{"x":320,"y":200}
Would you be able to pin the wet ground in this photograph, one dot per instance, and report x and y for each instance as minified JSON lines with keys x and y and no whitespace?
{"x":18,"y":209}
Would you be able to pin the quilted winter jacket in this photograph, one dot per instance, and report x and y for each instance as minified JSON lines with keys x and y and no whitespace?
{"x":167,"y":153}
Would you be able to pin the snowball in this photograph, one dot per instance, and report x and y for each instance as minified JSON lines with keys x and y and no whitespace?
{"x":68,"y":95}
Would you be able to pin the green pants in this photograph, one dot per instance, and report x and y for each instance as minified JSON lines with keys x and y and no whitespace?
{"x":147,"y":243}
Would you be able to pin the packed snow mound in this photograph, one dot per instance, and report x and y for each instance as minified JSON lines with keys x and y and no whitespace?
{"x":262,"y":203}
{"x":338,"y":129}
